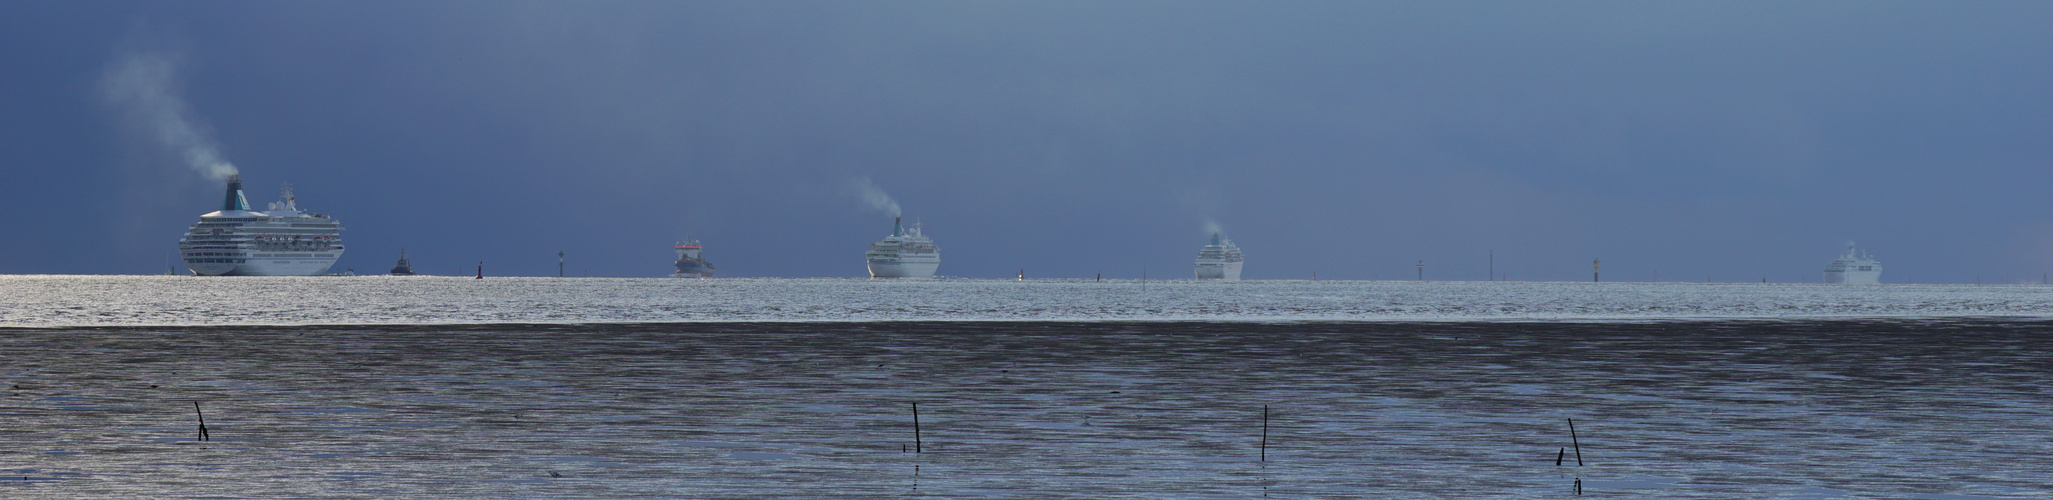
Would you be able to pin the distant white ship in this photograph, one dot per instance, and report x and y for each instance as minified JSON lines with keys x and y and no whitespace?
{"x":905,"y":254}
{"x":1219,"y":260}
{"x":1854,"y":268}
{"x":280,"y":241}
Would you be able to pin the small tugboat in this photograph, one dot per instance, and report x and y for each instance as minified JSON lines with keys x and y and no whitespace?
{"x":404,"y":268}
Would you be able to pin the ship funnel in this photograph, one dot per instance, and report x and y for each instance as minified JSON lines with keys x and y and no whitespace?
{"x":1215,"y":239}
{"x":896,"y":229}
{"x":234,"y":199}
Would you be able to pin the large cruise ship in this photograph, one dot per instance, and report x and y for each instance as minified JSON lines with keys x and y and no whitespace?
{"x":690,"y":262}
{"x":280,"y":241}
{"x":1219,"y":260}
{"x":905,"y":254}
{"x":1854,"y":268}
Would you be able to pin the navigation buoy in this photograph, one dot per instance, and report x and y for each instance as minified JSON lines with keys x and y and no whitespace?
{"x":481,"y":270}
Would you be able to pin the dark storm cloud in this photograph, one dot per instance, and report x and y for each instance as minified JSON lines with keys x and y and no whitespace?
{"x":1721,"y":140}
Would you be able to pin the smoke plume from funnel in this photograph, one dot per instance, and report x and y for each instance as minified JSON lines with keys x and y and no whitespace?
{"x":875,"y":197}
{"x":143,"y":87}
{"x":1212,"y":228}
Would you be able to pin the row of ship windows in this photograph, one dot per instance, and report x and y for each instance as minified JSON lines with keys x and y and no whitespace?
{"x":216,"y":261}
{"x":206,"y":254}
{"x":322,"y":228}
{"x":295,"y":228}
{"x":252,"y":237}
{"x":270,"y":219}
{"x":272,"y":248}
{"x":241,"y":229}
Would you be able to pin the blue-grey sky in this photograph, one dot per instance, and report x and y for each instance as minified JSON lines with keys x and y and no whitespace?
{"x":1728,"y":141}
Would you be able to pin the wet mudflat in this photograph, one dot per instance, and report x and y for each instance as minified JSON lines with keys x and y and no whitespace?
{"x":1675,"y":409}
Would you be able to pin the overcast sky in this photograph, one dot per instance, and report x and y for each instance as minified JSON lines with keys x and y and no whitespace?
{"x":1725,"y":141}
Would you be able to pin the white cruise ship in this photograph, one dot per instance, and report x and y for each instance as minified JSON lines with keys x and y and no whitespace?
{"x":1219,"y":260}
{"x":905,"y":254}
{"x":1854,"y":268}
{"x":280,"y":241}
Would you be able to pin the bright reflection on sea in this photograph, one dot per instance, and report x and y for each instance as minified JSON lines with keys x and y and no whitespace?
{"x":187,"y":300}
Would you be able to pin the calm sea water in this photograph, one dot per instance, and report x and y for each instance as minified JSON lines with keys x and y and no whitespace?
{"x":370,"y":387}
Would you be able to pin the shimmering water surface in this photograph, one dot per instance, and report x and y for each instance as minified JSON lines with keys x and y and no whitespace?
{"x":1922,"y":393}
{"x":188,"y":300}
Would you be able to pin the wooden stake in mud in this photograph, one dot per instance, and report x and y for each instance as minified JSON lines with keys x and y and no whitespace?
{"x":1578,"y":450}
{"x":1265,"y":433}
{"x":203,"y":420}
{"x":1559,"y":455}
{"x":916,"y":427}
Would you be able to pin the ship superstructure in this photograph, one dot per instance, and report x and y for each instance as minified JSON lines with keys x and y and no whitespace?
{"x":282,"y":240}
{"x":691,"y":263}
{"x":1220,"y":260}
{"x":906,"y":253}
{"x":1854,"y":268}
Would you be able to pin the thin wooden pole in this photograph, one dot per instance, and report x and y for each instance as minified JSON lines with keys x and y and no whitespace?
{"x":203,"y":421}
{"x":1265,"y":433}
{"x":916,"y":447}
{"x":1578,"y":446}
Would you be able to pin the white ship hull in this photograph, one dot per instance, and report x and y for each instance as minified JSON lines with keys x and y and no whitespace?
{"x":277,"y":265}
{"x":905,"y":268}
{"x":1224,"y":271}
{"x":1853,"y":277}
